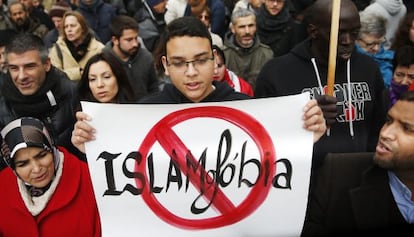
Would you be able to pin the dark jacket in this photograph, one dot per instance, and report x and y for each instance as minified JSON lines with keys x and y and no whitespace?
{"x":294,"y":73}
{"x":151,"y":25}
{"x":280,"y":32}
{"x":140,"y":71}
{"x":59,"y":118}
{"x":352,"y":197}
{"x":170,"y":95}
{"x":98,"y":16}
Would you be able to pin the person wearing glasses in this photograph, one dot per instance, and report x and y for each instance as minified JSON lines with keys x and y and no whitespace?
{"x":205,"y":17}
{"x":371,"y":40}
{"x":190,"y":61}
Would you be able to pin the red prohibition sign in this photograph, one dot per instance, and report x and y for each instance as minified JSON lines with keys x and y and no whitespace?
{"x":172,"y":144}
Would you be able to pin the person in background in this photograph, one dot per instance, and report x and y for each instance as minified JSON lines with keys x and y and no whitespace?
{"x":368,"y":194}
{"x":56,"y":14}
{"x":150,"y":18}
{"x":403,"y":76}
{"x":175,"y":9}
{"x":75,"y":46}
{"x":371,"y":41}
{"x":35,"y":88}
{"x":356,"y":119}
{"x":22,"y":22}
{"x":393,"y":10}
{"x":105,"y":81}
{"x":245,"y":53}
{"x":217,"y":12}
{"x":276,"y":27}
{"x":38,"y":13}
{"x":205,"y":17}
{"x":252,"y":5}
{"x":190,"y":61}
{"x":221,"y":73}
{"x":136,"y":60}
{"x":405,"y":32}
{"x":46,"y":191}
{"x":5,"y":37}
{"x":98,"y":14}
{"x":5,"y":22}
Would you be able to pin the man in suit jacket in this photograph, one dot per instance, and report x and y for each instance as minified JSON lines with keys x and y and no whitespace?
{"x":367,"y":193}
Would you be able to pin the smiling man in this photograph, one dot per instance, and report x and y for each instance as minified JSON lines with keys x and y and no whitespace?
{"x":305,"y":68}
{"x":37,"y":89}
{"x":366,"y":194}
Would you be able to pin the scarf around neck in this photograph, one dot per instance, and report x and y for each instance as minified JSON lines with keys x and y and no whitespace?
{"x":41,"y":103}
{"x":270,"y":27}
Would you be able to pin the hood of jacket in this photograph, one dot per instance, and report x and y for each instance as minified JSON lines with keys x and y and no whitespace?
{"x":392,"y":6}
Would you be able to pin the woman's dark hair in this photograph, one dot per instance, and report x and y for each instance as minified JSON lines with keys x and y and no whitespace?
{"x":404,"y":56}
{"x":125,"y":94}
{"x":402,"y":34}
{"x":219,"y":53}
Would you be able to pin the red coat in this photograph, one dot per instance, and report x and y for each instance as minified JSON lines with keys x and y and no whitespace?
{"x":71,"y":211}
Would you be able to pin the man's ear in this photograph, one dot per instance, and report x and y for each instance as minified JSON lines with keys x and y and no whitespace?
{"x":232,"y":28}
{"x":114,"y":40}
{"x":47,"y":65}
{"x":164,"y":64}
{"x":312,"y":30}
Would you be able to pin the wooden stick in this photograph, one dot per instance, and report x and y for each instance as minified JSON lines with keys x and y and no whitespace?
{"x":333,"y":45}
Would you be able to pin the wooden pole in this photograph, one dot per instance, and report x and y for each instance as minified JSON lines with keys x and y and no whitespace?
{"x":333,"y":45}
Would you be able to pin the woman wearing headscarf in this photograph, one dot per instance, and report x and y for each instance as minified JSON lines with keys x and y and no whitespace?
{"x":45,"y":191}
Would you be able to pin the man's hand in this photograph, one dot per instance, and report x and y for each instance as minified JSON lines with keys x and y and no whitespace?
{"x":82,"y":132}
{"x":328,"y":105}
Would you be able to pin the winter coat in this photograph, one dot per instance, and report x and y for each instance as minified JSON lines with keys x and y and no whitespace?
{"x":99,"y":17}
{"x":65,"y":61}
{"x":140,"y":71}
{"x":246,"y":63}
{"x":71,"y":211}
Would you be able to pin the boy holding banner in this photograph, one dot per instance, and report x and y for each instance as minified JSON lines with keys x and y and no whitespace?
{"x":190,"y":62}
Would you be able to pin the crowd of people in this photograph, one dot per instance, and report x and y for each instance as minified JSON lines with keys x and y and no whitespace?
{"x":56,"y":53}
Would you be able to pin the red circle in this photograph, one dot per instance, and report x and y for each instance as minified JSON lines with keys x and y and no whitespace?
{"x":256,"y":196}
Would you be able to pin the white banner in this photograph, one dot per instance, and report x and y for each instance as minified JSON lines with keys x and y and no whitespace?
{"x":238,"y":168}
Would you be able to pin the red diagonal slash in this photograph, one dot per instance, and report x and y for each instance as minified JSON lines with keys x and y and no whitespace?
{"x":172,"y":144}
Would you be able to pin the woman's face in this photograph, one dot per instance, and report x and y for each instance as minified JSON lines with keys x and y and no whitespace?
{"x":404,"y":75}
{"x":221,"y":68}
{"x":102,"y":82}
{"x":411,"y":32}
{"x":35,"y":166}
{"x":73,"y":30}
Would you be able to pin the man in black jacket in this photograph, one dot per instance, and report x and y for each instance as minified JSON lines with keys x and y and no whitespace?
{"x":358,"y":85}
{"x":34,"y":88}
{"x":368,"y":194}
